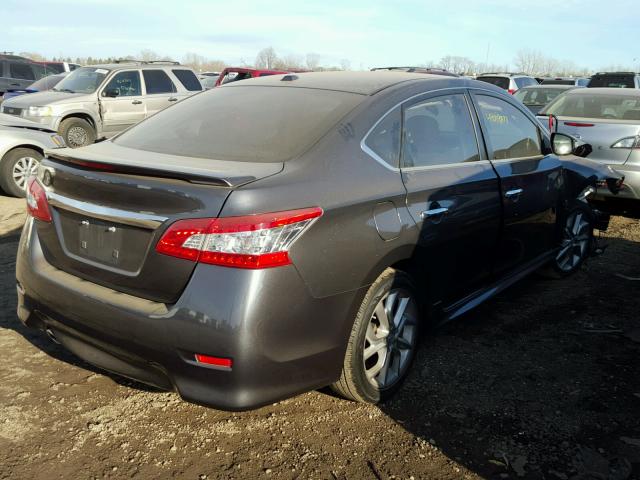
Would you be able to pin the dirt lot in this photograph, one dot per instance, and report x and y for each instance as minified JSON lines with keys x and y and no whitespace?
{"x":542,"y":382}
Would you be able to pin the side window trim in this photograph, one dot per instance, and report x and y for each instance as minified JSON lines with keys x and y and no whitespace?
{"x":366,"y":149}
{"x":468,"y":91}
{"x":108,"y":79}
{"x":483,"y":128}
{"x":431,"y":95}
{"x":174,"y":90}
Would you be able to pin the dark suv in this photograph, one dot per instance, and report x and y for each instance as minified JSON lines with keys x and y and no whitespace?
{"x":614,"y":80}
{"x":304,"y":240}
{"x":18,"y":72}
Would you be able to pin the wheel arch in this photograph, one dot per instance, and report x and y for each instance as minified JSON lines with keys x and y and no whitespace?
{"x":83,"y":115}
{"x":32,"y":146}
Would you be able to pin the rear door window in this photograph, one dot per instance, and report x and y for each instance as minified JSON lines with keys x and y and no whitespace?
{"x":502,"y":82}
{"x":509,"y":132}
{"x":188,"y":80}
{"x":127,"y":84}
{"x":22,"y":71}
{"x":157,"y":81}
{"x":438,"y":131}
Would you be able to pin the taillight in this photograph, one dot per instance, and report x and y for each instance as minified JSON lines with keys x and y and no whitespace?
{"x":37,"y":204}
{"x":512,"y":91}
{"x":627,"y":142}
{"x":252,"y":241}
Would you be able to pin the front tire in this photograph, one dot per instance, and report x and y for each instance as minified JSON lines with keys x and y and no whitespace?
{"x":77,"y":132}
{"x":576,"y":240}
{"x":383,"y":340}
{"x":16,"y":167}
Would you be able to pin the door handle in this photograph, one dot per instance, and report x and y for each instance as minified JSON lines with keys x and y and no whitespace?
{"x":137,"y":102}
{"x":434,"y":212}
{"x":173,"y":99}
{"x":513,"y":193}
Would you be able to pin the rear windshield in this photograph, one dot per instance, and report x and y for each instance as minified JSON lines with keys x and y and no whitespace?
{"x":538,"y":96}
{"x":585,"y":105}
{"x":243,"y":123}
{"x":501,"y":82}
{"x":612,"y":81}
{"x":46,"y":83}
{"x":54,"y":67}
{"x":522,"y":82}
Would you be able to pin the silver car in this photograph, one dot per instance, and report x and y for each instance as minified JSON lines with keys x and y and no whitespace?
{"x":102,"y":100}
{"x":609,"y":120}
{"x":22,"y":144}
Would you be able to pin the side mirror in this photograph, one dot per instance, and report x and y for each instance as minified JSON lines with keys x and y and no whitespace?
{"x":566,"y":145}
{"x":111,"y":92}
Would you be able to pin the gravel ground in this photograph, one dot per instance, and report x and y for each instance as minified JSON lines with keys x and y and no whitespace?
{"x":542,"y":382}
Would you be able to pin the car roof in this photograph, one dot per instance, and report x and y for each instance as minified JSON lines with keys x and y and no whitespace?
{"x":604,"y":91}
{"x":253,"y":70}
{"x":504,"y":74}
{"x":363,"y":83}
{"x":129,"y":65}
{"x":551,"y":86}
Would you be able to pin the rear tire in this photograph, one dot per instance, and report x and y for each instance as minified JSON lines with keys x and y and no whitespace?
{"x":77,"y":132}
{"x":383,"y":340}
{"x":16,"y":167}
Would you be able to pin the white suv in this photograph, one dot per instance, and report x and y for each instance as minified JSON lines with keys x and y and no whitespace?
{"x":102,"y":100}
{"x":511,"y":82}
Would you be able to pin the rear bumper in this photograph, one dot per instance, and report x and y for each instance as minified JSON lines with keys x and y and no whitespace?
{"x":282,"y":340}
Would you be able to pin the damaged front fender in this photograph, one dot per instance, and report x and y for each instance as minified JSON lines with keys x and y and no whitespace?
{"x":582,"y":173}
{"x":584,"y":177}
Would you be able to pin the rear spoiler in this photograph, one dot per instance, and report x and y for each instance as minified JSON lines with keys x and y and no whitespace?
{"x":148,"y":171}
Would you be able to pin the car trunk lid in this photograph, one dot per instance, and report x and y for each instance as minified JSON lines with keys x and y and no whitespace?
{"x":110,"y":205}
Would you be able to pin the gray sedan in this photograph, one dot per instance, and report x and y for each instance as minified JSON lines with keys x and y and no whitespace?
{"x":305,"y":240}
{"x":22,"y":144}
{"x":609,"y":120}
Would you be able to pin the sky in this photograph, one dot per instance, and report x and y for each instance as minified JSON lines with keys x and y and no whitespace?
{"x":590,"y":33}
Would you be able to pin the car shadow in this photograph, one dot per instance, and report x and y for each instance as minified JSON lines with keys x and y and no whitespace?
{"x":39,"y":339}
{"x":622,"y":207}
{"x":539,"y":382}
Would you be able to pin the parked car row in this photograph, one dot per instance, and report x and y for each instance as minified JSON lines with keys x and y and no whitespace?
{"x":97,"y":102}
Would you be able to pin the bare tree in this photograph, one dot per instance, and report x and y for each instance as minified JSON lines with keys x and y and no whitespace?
{"x":313,"y":61}
{"x":193,"y":60}
{"x":266,"y":58}
{"x":532,"y":62}
{"x":148,"y":55}
{"x":36,"y":57}
{"x":345,"y":64}
{"x":290,"y":61}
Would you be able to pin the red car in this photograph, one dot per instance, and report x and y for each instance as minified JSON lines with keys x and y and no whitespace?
{"x":233,"y":74}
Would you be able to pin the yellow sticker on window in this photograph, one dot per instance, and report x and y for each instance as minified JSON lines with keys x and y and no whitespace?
{"x":497,"y":118}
